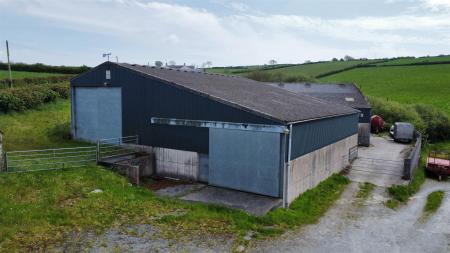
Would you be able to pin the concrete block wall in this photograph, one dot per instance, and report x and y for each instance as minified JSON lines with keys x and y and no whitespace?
{"x":177,"y":163}
{"x":309,"y":170}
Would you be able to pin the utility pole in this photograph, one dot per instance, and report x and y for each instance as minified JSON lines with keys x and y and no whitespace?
{"x":9,"y":65}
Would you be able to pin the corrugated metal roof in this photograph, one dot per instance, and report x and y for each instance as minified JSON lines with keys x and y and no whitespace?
{"x":343,"y":94}
{"x":268,"y":101}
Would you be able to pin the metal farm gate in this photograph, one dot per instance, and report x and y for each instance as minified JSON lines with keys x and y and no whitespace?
{"x":116,"y":147}
{"x":49,"y":159}
{"x":62,"y":158}
{"x":378,"y":166}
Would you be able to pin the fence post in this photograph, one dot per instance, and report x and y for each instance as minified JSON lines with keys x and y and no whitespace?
{"x":137,"y":139}
{"x":97,"y":155}
{"x":5,"y":160}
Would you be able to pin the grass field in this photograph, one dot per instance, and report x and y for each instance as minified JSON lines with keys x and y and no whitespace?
{"x":244,"y":69}
{"x":41,"y":209}
{"x":4,"y":74}
{"x":415,"y":60}
{"x":315,"y":69}
{"x":406,"y":84}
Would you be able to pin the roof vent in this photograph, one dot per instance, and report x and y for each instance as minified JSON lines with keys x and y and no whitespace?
{"x":349,"y":99}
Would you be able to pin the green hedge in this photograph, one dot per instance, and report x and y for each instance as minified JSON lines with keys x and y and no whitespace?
{"x":432,"y":122}
{"x":274,"y":77}
{"x":30,"y":97}
{"x":35,"y":80}
{"x":39,"y":67}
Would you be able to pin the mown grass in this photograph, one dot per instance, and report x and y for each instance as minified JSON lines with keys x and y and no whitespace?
{"x":39,"y":210}
{"x":4,"y":74}
{"x":406,"y":84}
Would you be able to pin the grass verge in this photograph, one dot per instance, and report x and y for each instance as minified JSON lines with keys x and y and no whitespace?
{"x":365,"y":189}
{"x":42,"y":209}
{"x":400,"y":193}
{"x":434,"y":201}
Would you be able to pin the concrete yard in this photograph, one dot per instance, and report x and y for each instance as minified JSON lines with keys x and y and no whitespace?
{"x":372,"y":227}
{"x":380,"y":164}
{"x":251,"y":203}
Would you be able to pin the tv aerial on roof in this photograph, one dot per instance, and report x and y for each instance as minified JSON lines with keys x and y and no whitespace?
{"x":106,"y":55}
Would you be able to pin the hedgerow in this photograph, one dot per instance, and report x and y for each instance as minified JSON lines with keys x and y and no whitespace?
{"x":30,"y":97}
{"x":432,"y":122}
{"x":39,"y":67}
{"x":5,"y":83}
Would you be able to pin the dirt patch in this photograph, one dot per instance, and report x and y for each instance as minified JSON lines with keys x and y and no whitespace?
{"x":159,"y":184}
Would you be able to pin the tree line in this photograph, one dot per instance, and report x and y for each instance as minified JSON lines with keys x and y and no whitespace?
{"x":39,"y":67}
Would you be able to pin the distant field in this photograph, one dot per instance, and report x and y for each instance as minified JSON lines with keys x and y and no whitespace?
{"x":315,"y":69}
{"x":244,"y":69}
{"x":429,"y":84}
{"x":4,"y":74}
{"x":310,"y":70}
{"x":416,"y":60}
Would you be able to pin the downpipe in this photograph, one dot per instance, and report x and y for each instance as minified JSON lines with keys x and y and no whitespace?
{"x":287,"y":171}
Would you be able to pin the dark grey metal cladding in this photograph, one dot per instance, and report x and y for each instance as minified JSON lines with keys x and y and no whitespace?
{"x":312,"y":135}
{"x":144,"y":98}
{"x":366,"y":114}
{"x":245,"y":160}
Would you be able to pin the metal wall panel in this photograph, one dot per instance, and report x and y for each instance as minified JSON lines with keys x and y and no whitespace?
{"x":366,"y":114}
{"x":245,"y":160}
{"x":312,"y":135}
{"x":203,"y":170}
{"x":97,"y":113}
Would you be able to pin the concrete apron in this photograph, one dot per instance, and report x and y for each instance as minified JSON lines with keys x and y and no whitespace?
{"x":252,"y":203}
{"x":380,"y":164}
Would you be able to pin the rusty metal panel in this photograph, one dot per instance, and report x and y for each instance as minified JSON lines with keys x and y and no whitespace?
{"x":177,"y":163}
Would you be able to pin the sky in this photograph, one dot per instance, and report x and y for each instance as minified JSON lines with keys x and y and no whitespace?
{"x":227,"y":33}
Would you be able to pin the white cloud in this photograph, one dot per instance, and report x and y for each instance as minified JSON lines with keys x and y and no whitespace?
{"x":170,"y":31}
{"x":239,"y":6}
{"x":437,"y":5}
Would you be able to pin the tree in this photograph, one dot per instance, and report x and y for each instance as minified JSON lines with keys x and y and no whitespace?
{"x":207,"y":64}
{"x":272,"y":62}
{"x":348,"y":58}
{"x":159,"y":64}
{"x":172,"y":63}
{"x":335,"y":59}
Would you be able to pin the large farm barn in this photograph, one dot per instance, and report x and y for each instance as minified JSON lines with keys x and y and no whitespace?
{"x":239,"y":133}
{"x":343,"y":94}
